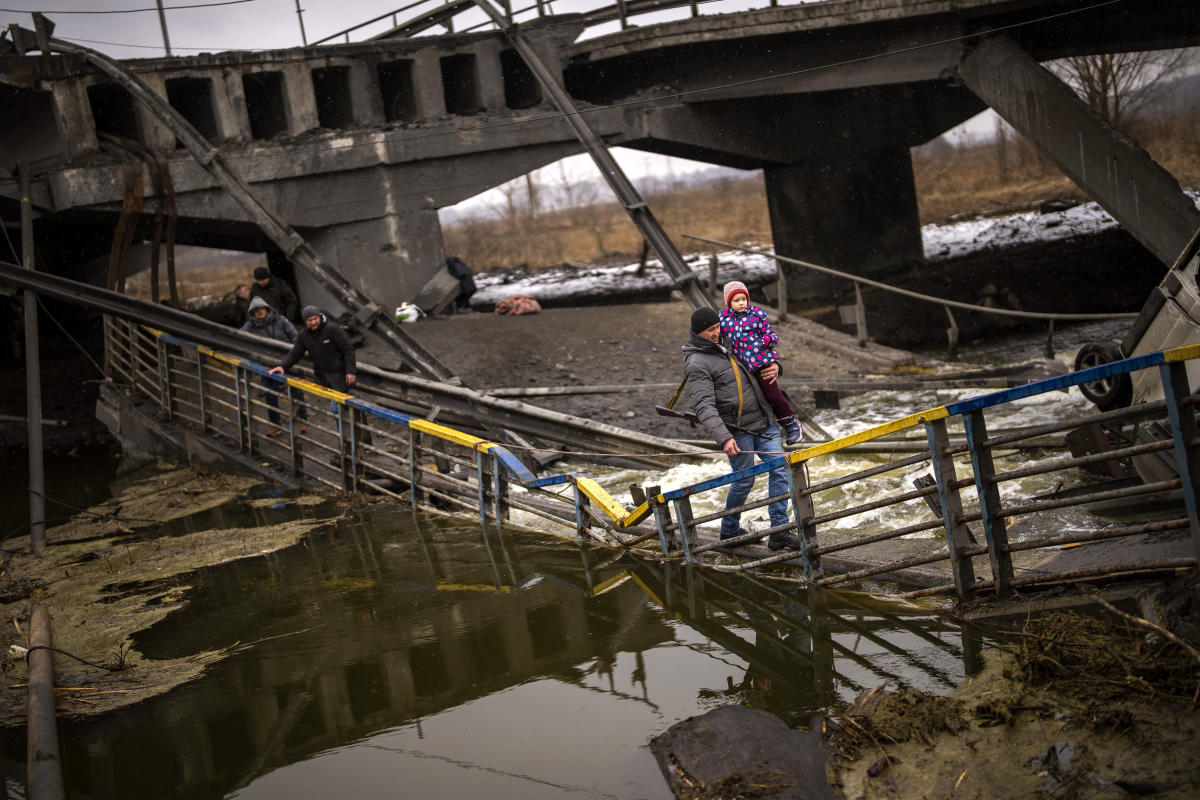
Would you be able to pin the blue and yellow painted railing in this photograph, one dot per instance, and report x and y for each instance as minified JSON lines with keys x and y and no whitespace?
{"x":589,"y":493}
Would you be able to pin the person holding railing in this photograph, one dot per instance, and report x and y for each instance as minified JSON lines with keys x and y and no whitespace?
{"x":331,"y":352}
{"x":262,"y":320}
{"x":732,"y":408}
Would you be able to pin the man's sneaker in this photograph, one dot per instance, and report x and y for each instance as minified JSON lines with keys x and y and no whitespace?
{"x":791,"y":431}
{"x":780,"y":541}
{"x":741,"y":532}
{"x":273,"y":431}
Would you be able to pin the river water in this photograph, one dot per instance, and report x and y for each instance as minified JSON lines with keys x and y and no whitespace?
{"x":413,"y":654}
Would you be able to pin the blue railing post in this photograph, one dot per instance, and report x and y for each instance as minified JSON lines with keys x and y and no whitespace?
{"x":1184,"y":430}
{"x":957,"y":536}
{"x":803,"y":512}
{"x":989,"y":502}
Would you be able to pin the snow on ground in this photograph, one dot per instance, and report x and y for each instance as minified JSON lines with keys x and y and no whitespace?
{"x":942,"y":242}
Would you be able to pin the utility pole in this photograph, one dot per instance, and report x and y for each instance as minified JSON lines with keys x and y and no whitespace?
{"x":162,"y":21}
{"x":300,"y":14}
{"x":33,"y":377}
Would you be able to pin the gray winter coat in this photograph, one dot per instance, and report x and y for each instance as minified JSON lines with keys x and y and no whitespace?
{"x":273,"y":327}
{"x":714,"y":390}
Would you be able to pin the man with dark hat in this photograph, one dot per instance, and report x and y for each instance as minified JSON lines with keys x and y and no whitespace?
{"x":275,"y":293}
{"x":731,"y":407}
{"x":332,"y":356}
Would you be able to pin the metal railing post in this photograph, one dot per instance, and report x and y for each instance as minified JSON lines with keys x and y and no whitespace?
{"x":290,"y":394}
{"x":482,"y":484}
{"x":1184,"y":431}
{"x":994,"y":528}
{"x":200,"y":392}
{"x":805,"y":530}
{"x":684,"y":516}
{"x":413,"y":484}
{"x":166,"y":397}
{"x":499,"y":490}
{"x":662,"y":518}
{"x":581,"y":520}
{"x":351,"y":463}
{"x":957,"y":536}
{"x":242,"y":391}
{"x":860,"y":315}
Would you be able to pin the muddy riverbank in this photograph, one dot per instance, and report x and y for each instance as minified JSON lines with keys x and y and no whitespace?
{"x":1071,"y":706}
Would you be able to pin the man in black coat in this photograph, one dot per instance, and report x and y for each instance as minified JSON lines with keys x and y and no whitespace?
{"x":277,"y":294}
{"x":332,"y":355}
{"x":329,"y":348}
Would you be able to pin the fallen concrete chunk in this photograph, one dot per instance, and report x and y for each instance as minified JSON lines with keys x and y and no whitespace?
{"x":734,"y":751}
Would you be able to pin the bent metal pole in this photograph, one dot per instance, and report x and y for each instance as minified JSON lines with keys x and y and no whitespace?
{"x":626,"y":193}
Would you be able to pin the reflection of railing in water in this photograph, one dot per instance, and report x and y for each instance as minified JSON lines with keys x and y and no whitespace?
{"x":798,"y":633}
{"x":361,"y":446}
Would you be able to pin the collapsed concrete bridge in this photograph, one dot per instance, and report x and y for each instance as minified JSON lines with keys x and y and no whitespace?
{"x":357,"y":145}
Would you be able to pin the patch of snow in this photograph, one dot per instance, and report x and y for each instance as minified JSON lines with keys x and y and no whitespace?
{"x":941,"y":243}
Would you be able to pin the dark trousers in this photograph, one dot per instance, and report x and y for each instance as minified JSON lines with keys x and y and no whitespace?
{"x":779,"y":404}
{"x":270,"y":396}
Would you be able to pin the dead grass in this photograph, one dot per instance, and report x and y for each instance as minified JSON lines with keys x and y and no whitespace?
{"x":952,"y":182}
{"x":215,"y":280}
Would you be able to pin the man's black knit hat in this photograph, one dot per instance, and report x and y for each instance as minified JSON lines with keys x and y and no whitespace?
{"x":261,"y":272}
{"x":704,"y":318}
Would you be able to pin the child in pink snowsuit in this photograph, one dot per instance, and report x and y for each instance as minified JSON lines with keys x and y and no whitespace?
{"x":754,"y":345}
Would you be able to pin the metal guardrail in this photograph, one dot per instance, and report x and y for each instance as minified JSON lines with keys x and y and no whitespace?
{"x":348,"y":443}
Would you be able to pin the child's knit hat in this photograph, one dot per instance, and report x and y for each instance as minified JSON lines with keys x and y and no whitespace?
{"x":732,"y":288}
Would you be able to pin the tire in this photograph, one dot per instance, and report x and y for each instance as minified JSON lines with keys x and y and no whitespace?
{"x":1106,"y":393}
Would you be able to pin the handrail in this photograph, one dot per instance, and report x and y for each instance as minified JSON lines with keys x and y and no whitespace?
{"x":159,"y":365}
{"x":858,"y":279}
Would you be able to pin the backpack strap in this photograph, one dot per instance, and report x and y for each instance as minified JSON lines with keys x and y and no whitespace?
{"x":737,"y":376}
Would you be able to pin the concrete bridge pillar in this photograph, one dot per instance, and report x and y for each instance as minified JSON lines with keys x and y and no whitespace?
{"x":300,"y":99}
{"x":429,"y":100}
{"x":857,"y":214}
{"x":155,"y":134}
{"x":389,"y":258}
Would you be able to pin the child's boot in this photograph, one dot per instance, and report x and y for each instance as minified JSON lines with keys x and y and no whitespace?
{"x":791,"y":430}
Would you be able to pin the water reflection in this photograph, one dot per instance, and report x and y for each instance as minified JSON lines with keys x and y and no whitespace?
{"x":405,"y":654}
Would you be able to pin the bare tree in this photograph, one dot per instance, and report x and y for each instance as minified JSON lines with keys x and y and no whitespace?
{"x":1121,"y":86}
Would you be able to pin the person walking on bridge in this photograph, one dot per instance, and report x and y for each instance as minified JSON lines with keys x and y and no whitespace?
{"x":332,"y":355}
{"x":262,"y":320}
{"x":278,"y":294}
{"x":732,"y":408}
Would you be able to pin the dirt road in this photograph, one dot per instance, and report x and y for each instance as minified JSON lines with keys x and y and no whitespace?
{"x":632,"y":346}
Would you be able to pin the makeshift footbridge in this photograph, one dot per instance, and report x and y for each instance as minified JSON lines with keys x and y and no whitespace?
{"x":381,"y":442}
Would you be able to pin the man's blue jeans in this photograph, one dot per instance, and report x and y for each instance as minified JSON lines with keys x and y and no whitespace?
{"x":769,"y":445}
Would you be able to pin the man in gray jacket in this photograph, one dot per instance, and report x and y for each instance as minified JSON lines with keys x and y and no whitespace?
{"x":732,"y":408}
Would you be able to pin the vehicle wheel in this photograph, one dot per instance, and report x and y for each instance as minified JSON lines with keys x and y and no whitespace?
{"x":1106,"y":393}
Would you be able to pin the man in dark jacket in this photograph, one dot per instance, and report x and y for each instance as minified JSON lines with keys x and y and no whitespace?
{"x":332,"y":355}
{"x":277,"y":294}
{"x":733,"y":410}
{"x":329,"y":348}
{"x":262,"y":320}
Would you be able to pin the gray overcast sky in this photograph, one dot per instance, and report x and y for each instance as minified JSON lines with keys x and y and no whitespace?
{"x":256,"y":25}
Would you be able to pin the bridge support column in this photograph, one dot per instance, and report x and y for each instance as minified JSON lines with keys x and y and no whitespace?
{"x":857,"y":214}
{"x":389,"y":258}
{"x":1139,"y":194}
